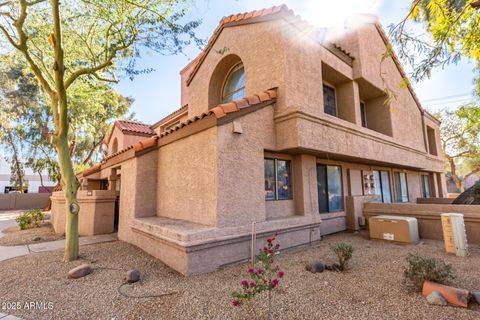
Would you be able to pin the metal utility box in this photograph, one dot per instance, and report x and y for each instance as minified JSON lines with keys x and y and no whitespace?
{"x":394,"y":228}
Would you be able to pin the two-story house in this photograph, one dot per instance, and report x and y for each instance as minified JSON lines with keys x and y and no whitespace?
{"x":282,"y":125}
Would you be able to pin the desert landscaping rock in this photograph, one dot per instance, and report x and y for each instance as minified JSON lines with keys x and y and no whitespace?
{"x":371,"y":289}
{"x":476,"y":296}
{"x":80,"y":271}
{"x":332,"y":266}
{"x":133,"y":275}
{"x":436,"y":298}
{"x":315,"y":266}
{"x":36,"y":238}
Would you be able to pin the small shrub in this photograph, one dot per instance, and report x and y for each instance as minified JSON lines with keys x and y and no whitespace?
{"x":344,"y":252}
{"x":37,"y":217}
{"x":24,"y":221}
{"x":420,"y":269}
{"x":31,"y":217}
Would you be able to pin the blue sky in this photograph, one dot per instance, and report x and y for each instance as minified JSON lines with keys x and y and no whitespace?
{"x":158,"y":93}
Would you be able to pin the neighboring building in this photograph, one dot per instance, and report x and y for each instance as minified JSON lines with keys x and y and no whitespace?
{"x":33,"y":180}
{"x":281,"y":125}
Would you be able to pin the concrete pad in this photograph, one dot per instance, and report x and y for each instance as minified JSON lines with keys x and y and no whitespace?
{"x":10,"y":317}
{"x":60,"y":244}
{"x":3,"y":315}
{"x":12,"y":252}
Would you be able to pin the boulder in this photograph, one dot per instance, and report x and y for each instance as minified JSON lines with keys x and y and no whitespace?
{"x":476,"y":296}
{"x":80,"y":271}
{"x":315,"y":266}
{"x":133,"y":275}
{"x":332,"y":266}
{"x":436,"y":298}
{"x":36,"y":238}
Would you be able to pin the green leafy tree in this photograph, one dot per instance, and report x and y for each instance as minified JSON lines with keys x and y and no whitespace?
{"x":460,"y":135}
{"x":94,"y":106}
{"x":452,"y":33}
{"x":77,"y":39}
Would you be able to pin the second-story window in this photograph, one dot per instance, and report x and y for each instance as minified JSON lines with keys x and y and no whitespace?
{"x":234,"y":87}
{"x":329,"y":101}
{"x":363,"y":114}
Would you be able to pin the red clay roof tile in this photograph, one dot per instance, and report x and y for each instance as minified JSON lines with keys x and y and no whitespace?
{"x":253,"y":99}
{"x":242,"y":103}
{"x":222,"y":110}
{"x":134,"y":127}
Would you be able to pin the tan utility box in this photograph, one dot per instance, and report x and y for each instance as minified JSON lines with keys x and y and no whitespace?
{"x":454,"y":234}
{"x":394,"y":228}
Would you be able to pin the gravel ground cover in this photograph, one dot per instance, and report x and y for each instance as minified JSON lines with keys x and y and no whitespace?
{"x":13,"y":236}
{"x":371,"y":289}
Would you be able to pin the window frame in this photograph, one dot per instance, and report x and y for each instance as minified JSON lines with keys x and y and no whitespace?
{"x":229,"y":73}
{"x":382,"y":196}
{"x":397,"y":186}
{"x":363,"y":114}
{"x":275,"y":177}
{"x":328,"y":85}
{"x":326,"y":185}
{"x":422,"y":177}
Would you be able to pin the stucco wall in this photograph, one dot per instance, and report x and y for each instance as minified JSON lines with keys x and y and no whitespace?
{"x":240,"y":168}
{"x":13,"y":201}
{"x":124,"y":139}
{"x":259,"y":46}
{"x":96,"y":213}
{"x":187,"y":178}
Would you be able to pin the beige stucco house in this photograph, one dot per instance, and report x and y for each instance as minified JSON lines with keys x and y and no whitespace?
{"x":283,"y":125}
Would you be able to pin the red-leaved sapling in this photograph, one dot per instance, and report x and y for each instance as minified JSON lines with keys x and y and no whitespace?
{"x":264,"y":276}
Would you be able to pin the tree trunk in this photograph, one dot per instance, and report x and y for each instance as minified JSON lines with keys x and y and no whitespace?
{"x":59,"y":105}
{"x":18,"y":169}
{"x":453,"y":171}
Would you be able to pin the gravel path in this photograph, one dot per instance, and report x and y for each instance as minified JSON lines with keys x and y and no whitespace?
{"x":370,"y":290}
{"x":13,"y":236}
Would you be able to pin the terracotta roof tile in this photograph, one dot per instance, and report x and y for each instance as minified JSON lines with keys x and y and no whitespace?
{"x":135,"y":127}
{"x":223,"y":109}
{"x":219,"y":111}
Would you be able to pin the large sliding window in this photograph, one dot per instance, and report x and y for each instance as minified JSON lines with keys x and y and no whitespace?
{"x":382,"y":186}
{"x":401,"y":188}
{"x":330,"y":188}
{"x":278,"y":179}
{"x":329,"y":101}
{"x":426,"y":186}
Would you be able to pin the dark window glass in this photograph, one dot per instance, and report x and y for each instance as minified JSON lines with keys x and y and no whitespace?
{"x":401,"y":188}
{"x":278,"y":179}
{"x":330,"y":188}
{"x":322,"y":188}
{"x":426,"y":186}
{"x":363,"y":114}
{"x":335,"y":192}
{"x":234,"y":87}
{"x":284,"y":190}
{"x":382,"y":186}
{"x":329,"y":101}
{"x":386,"y":195}
{"x":269,"y":179}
